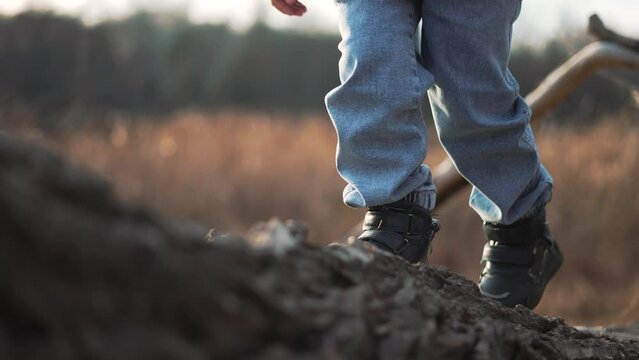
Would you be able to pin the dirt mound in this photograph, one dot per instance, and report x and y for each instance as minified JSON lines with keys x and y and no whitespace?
{"x":84,"y":277}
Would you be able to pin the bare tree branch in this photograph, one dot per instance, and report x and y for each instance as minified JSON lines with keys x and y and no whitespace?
{"x":599,"y":31}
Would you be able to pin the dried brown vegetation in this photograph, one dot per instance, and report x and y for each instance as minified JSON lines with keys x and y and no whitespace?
{"x":230,"y":170}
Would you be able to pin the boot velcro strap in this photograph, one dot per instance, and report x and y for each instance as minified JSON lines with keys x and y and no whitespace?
{"x":398,"y":222}
{"x":508,"y":254}
{"x":525,"y":233}
{"x":391,"y":240}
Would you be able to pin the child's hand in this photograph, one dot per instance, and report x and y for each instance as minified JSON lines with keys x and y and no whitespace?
{"x":289,"y":7}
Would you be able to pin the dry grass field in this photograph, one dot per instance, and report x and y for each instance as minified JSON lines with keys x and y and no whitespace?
{"x":230,"y":170}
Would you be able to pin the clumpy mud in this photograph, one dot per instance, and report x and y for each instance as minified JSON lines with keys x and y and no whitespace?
{"x":83,"y":276}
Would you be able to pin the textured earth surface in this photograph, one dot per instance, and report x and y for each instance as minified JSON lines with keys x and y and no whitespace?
{"x":84,"y":277}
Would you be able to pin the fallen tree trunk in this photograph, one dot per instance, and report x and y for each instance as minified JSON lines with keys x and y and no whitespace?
{"x":84,"y":277}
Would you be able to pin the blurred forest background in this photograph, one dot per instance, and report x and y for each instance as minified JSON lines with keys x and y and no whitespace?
{"x":228,"y":128}
{"x":57,"y":67}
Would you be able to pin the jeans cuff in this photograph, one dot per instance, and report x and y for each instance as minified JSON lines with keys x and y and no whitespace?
{"x":534,"y":211}
{"x":424,"y":196}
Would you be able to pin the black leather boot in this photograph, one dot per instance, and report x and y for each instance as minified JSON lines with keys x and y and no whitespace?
{"x":520,"y":261}
{"x":402,"y":228}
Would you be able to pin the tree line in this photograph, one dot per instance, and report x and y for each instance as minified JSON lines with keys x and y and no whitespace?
{"x":158,"y":64}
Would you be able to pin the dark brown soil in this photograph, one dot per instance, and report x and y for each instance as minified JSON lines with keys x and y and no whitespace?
{"x":84,"y":277}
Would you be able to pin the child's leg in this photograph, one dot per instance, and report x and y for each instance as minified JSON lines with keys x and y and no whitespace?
{"x":381,"y":135}
{"x":482,"y":121}
{"x":484,"y":125}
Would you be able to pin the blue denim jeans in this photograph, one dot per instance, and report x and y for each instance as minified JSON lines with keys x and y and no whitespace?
{"x":482,"y":121}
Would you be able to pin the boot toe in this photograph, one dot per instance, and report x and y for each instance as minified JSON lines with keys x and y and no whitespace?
{"x":509,"y":290}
